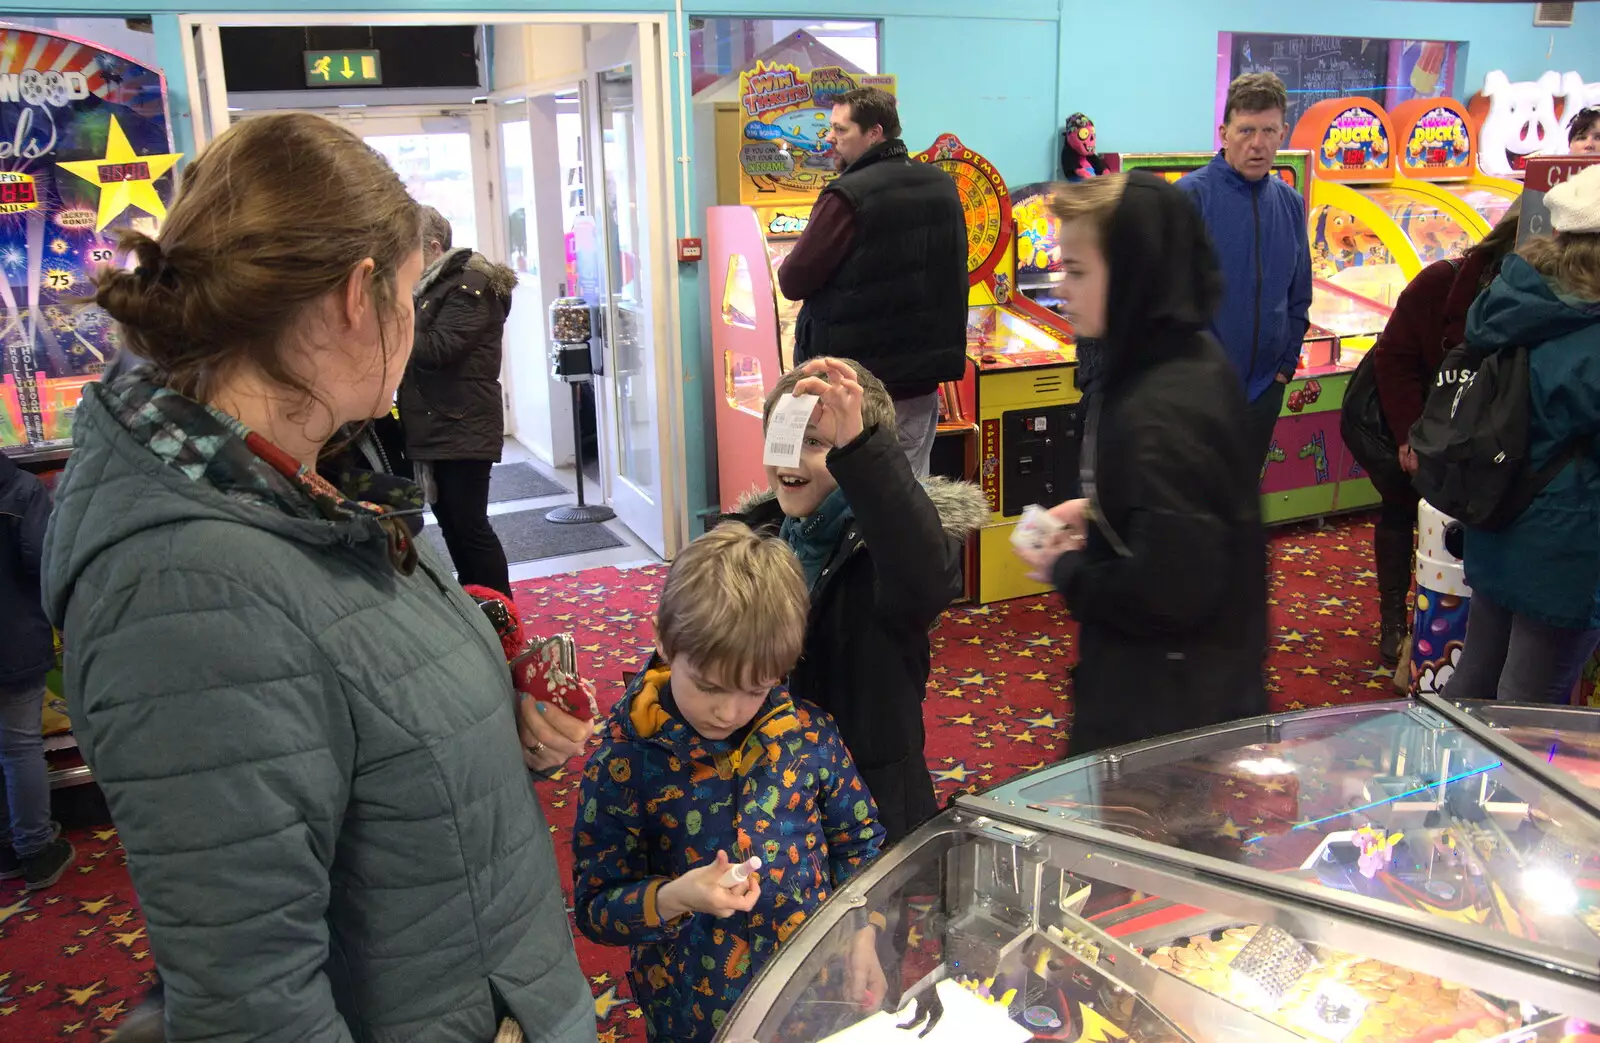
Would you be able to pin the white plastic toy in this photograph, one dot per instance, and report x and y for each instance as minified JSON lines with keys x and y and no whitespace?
{"x":1521,"y":123}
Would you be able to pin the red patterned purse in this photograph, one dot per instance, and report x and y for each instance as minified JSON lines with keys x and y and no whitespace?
{"x":544,"y":670}
{"x":547,"y":671}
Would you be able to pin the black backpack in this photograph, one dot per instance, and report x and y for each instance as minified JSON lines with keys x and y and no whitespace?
{"x":1472,"y":441}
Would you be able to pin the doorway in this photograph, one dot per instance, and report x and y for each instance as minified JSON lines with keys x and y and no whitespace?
{"x":591,"y":217}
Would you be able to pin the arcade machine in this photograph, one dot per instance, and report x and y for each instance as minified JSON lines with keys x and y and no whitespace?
{"x":92,"y":156}
{"x":1440,"y":148}
{"x":1373,"y":228}
{"x":1022,"y":383}
{"x":1038,"y":246}
{"x":773,"y":160}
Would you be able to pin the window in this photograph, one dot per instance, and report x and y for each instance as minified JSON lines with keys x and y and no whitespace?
{"x":722,"y":47}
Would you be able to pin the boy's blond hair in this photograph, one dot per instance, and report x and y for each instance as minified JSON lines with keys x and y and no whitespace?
{"x":877,"y":408}
{"x":735,"y":604}
{"x":1094,"y":200}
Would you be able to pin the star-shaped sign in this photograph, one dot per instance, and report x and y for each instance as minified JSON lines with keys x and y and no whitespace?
{"x":125,"y":178}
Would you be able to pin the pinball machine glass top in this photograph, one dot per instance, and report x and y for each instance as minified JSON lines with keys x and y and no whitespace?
{"x":1481,"y":843}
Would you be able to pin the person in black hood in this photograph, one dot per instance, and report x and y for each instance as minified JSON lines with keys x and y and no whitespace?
{"x":1163,"y":560}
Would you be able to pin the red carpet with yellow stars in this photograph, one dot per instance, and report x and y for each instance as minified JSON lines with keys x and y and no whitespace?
{"x":75,"y":959}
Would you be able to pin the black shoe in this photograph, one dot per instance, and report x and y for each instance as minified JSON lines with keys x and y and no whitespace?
{"x":1390,"y":644}
{"x":46,"y":867}
{"x":11,"y":862}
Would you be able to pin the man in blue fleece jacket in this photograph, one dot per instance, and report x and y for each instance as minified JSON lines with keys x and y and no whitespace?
{"x":1258,"y":226}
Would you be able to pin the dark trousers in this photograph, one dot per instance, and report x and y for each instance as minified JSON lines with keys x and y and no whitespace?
{"x":1517,"y":659}
{"x":1262,"y":417}
{"x":462,"y":509}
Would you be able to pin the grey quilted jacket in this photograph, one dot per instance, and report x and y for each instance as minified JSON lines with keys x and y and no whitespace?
{"x":312,"y":762}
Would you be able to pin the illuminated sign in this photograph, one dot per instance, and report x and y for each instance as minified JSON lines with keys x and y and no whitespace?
{"x":1355,"y":140}
{"x":343,"y":69}
{"x":18,"y":193}
{"x":1439,"y":139}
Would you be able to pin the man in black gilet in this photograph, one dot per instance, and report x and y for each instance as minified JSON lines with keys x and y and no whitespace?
{"x":882,"y":268}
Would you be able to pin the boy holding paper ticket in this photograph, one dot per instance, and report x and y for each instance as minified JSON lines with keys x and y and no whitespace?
{"x":882,"y":557}
{"x":719,"y":812}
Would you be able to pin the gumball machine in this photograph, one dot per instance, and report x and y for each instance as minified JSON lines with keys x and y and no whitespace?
{"x":1439,"y":627}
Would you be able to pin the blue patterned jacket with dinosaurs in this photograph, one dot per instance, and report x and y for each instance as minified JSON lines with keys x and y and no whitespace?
{"x":658,"y":800}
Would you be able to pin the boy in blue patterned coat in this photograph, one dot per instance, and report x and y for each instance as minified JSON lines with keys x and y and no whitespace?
{"x":707,"y":762}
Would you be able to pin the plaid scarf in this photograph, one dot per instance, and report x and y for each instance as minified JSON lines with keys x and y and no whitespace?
{"x":206,"y":444}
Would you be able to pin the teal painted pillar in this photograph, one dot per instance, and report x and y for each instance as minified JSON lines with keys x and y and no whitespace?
{"x":169,"y":53}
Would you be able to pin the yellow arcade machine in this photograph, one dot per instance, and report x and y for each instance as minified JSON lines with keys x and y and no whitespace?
{"x":1021,"y":378}
{"x":1438,"y":145}
{"x":1372,"y":229}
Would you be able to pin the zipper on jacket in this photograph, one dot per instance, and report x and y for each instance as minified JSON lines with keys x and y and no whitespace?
{"x":1255,"y":334}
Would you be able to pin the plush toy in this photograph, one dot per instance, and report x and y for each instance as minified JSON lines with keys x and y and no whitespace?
{"x":1079,"y":158}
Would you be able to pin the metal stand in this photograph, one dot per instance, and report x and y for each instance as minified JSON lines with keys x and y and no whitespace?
{"x":580,"y":513}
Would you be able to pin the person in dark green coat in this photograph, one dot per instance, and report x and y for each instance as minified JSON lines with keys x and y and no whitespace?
{"x":1535,"y":615}
{"x":304,"y":728}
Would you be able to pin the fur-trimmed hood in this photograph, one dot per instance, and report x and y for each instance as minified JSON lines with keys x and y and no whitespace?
{"x":501,"y":279}
{"x":962,"y":506}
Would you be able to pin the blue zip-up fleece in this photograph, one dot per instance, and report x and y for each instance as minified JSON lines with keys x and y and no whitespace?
{"x":1259,"y":231}
{"x":1546,"y":565}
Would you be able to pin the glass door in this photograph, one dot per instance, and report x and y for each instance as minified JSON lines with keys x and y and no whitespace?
{"x":632,"y":421}
{"x":443,"y":158}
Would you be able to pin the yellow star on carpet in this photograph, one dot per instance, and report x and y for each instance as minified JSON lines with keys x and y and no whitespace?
{"x":607,"y":1002}
{"x":977,"y":679}
{"x":603,"y":978}
{"x":610,"y":1035}
{"x":1037,"y":676}
{"x":34,"y":990}
{"x":96,"y":907}
{"x":76,"y":1026}
{"x":957,"y":774}
{"x":6,"y":1012}
{"x":127,"y":940}
{"x":1274,"y":786}
{"x":71,"y":950}
{"x":119,"y":919}
{"x":966,"y":720}
{"x":1229,"y":830}
{"x":1043,"y":641}
{"x":85,"y":994}
{"x":1023,"y":736}
{"x":8,"y":911}
{"x":635,"y":1013}
{"x":113,"y":1012}
{"x":1308,"y":671}
{"x":125,"y":178}
{"x":1049,"y":720}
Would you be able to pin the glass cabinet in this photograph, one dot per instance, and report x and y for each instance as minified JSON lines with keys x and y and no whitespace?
{"x":1385,"y":872}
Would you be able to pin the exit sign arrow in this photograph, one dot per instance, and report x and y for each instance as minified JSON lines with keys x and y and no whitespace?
{"x":343,"y":69}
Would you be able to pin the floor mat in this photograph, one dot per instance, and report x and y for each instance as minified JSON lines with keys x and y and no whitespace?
{"x":75,"y":960}
{"x":520,"y":481}
{"x":529,"y":536}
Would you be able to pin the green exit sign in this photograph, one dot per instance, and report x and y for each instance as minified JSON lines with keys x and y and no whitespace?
{"x":343,"y":69}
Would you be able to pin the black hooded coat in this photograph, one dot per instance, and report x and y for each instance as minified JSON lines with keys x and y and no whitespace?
{"x":1171,"y":588}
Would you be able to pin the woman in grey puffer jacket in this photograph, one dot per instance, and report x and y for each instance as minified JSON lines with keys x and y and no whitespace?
{"x":305,"y":730}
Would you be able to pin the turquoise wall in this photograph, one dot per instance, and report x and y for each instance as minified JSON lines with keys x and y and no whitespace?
{"x":1001,"y":75}
{"x":1146,"y":69}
